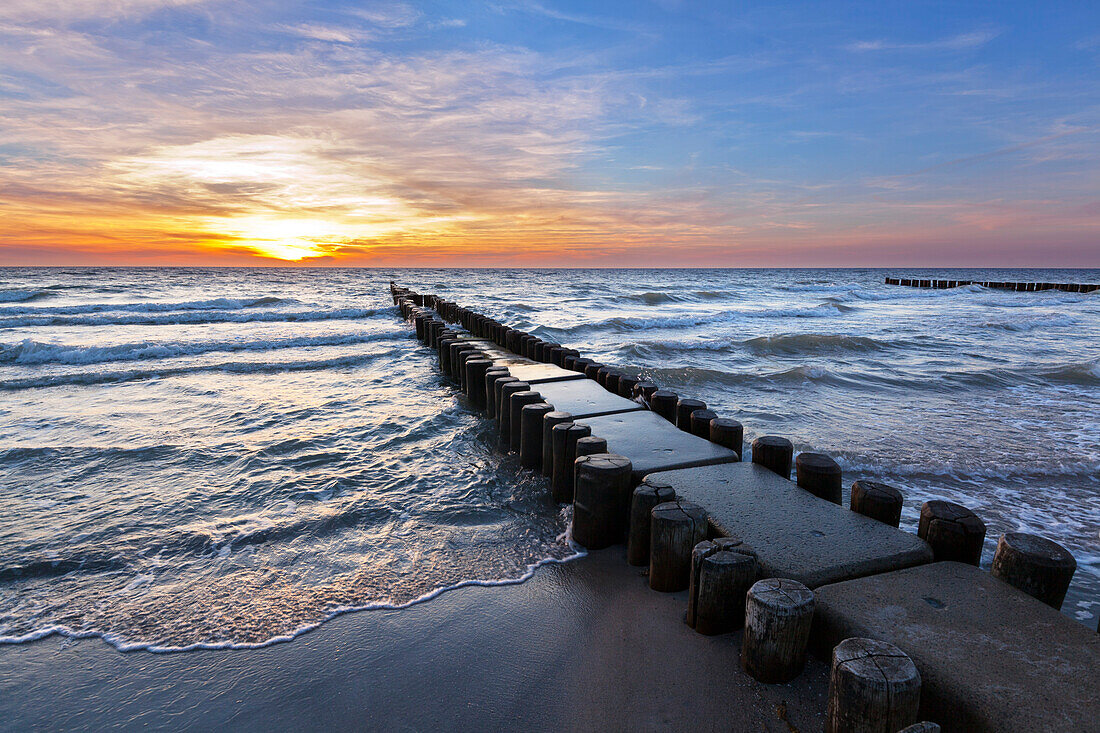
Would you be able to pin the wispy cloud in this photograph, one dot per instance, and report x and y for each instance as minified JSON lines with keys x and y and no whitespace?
{"x":63,"y":11}
{"x":960,"y":42}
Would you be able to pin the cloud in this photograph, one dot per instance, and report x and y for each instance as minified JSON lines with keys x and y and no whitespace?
{"x":961,"y":42}
{"x":62,"y":11}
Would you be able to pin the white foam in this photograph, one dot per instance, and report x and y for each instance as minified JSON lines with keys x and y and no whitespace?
{"x":126,"y":646}
{"x":186,"y":317}
{"x":35,"y":352}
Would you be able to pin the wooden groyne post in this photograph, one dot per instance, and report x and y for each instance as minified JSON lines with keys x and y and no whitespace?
{"x":1019,"y":287}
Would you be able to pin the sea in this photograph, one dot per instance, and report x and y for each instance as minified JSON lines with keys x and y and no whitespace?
{"x":211,"y":458}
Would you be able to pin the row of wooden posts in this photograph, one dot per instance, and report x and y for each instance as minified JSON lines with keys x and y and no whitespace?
{"x":1018,"y":287}
{"x":873,"y":685}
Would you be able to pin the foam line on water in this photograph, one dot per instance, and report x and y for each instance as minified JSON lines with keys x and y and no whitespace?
{"x":153,"y":307}
{"x":93,"y":378}
{"x":189,"y":317}
{"x":29,"y":351}
{"x":123,"y":646}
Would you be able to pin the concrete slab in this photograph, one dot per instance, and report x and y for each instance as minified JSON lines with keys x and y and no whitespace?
{"x":499,"y":356}
{"x":654,"y":444}
{"x":540,"y":373}
{"x":583,"y":398}
{"x":991,"y":658}
{"x":796,"y":534}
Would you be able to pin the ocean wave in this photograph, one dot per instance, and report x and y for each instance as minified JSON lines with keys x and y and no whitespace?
{"x":812,"y":343}
{"x":185,"y":317}
{"x":220,"y":304}
{"x":35,"y":352}
{"x":636,"y":323}
{"x":248,"y":367}
{"x":1031,"y":323}
{"x":23,"y":296}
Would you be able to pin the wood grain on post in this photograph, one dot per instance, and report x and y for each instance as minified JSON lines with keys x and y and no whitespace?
{"x":587,"y":446}
{"x":663,"y":402}
{"x":773,"y":453}
{"x":778,"y":615}
{"x":873,"y":688}
{"x":530,"y":434}
{"x":475,"y":380}
{"x":516,"y":403}
{"x":676,"y":527}
{"x":953,"y":531}
{"x":644,"y":391}
{"x":562,"y":483}
{"x":492,"y":374}
{"x":592,"y":368}
{"x":684,"y":408}
{"x":728,"y":432}
{"x":602,"y":482}
{"x":1035,"y":565}
{"x":877,"y":501}
{"x":700,"y":423}
{"x":504,"y":411}
{"x":722,"y":571}
{"x":549,"y":420}
{"x":626,"y":386}
{"x":651,"y":492}
{"x":820,"y":475}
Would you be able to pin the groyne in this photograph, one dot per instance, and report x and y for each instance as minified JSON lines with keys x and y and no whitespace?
{"x":1019,"y":287}
{"x":917,"y":634}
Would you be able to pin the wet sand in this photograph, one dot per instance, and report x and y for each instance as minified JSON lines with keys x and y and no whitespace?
{"x":581,"y":646}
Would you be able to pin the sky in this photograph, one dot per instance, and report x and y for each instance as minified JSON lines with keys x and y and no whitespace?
{"x":577,"y":134}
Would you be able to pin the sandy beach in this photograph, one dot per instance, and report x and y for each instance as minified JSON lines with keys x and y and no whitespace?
{"x":581,"y":646}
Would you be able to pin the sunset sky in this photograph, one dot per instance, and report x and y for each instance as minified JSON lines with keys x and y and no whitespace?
{"x":143,"y":132}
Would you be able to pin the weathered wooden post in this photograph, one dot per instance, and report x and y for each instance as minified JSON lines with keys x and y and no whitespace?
{"x":676,"y":527}
{"x":1035,"y":565}
{"x":517,"y":402}
{"x":684,"y":408}
{"x":700,"y":423}
{"x":602,"y":482}
{"x":644,"y":391}
{"x":728,"y":432}
{"x":475,"y":380}
{"x":626,"y":386}
{"x":877,"y":501}
{"x":722,"y":571}
{"x":773,"y":453}
{"x":820,"y":475}
{"x":778,"y":615}
{"x":924,"y":726}
{"x":549,"y":420}
{"x":663,"y":402}
{"x":592,"y":368}
{"x":530,"y":434}
{"x":565,"y":437}
{"x":504,"y":410}
{"x":589,"y":445}
{"x":651,"y":492}
{"x":492,"y":374}
{"x":873,"y":688}
{"x":953,"y":531}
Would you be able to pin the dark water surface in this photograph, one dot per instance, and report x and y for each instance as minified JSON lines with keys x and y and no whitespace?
{"x":228,"y":456}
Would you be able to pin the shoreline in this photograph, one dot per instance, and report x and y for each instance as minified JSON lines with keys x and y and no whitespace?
{"x":584,"y":644}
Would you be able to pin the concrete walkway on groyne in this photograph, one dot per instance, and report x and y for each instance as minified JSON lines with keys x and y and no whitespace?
{"x":584,"y":425}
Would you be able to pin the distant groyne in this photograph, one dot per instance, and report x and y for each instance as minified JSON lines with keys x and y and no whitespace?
{"x":1016,"y":286}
